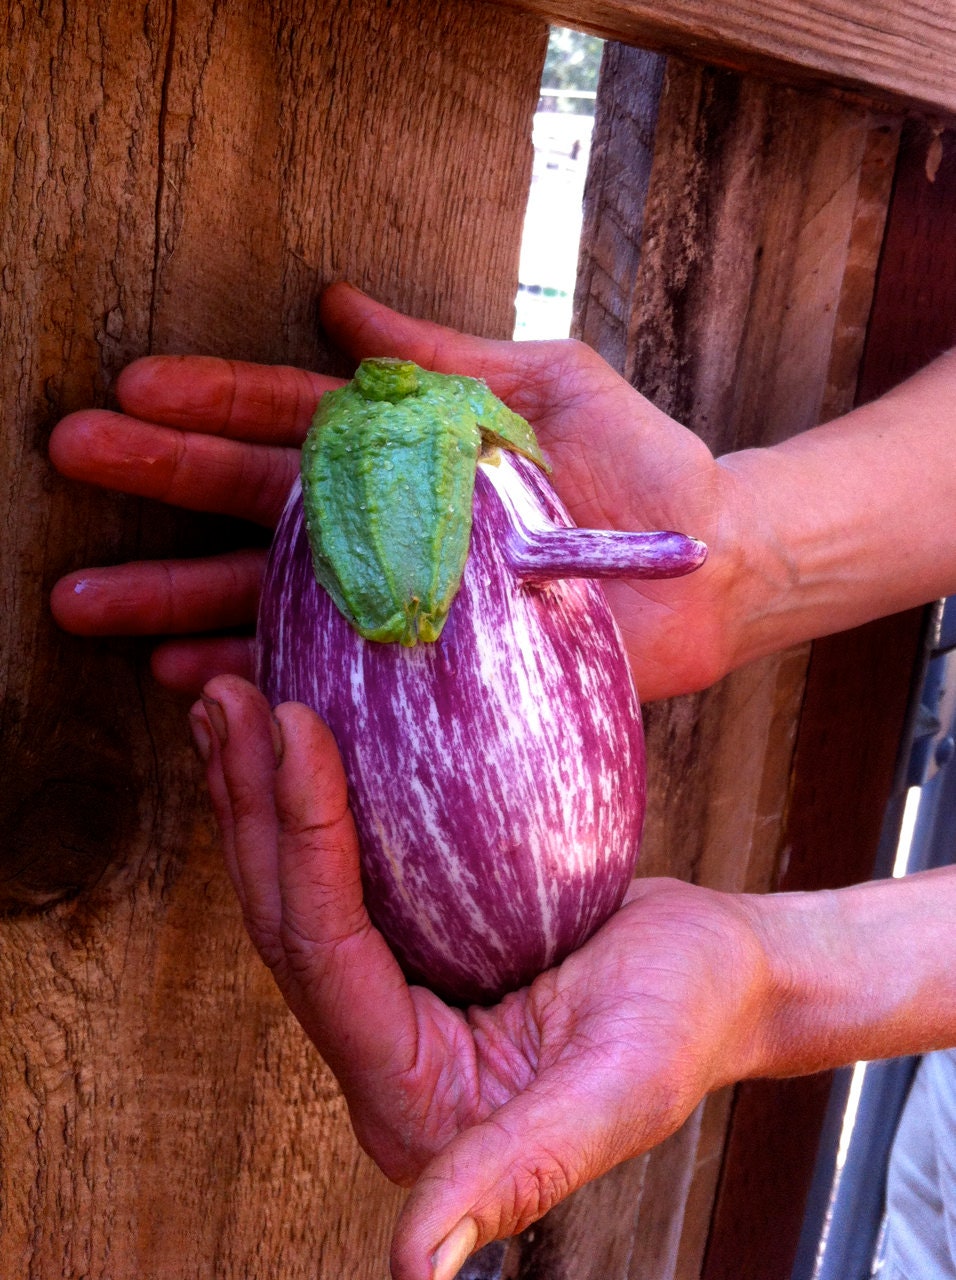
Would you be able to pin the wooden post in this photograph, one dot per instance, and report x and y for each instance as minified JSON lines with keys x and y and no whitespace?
{"x":846,"y":764}
{"x":186,"y":177}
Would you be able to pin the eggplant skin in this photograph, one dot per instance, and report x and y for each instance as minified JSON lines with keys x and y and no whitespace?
{"x":497,"y":775}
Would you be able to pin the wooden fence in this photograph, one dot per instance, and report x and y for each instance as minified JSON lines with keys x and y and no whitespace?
{"x":768,"y":238}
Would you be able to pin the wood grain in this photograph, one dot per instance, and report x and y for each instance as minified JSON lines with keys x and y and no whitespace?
{"x":902,"y":52}
{"x":727,"y":266}
{"x":913,"y":312}
{"x":846,"y":762}
{"x":186,"y":176}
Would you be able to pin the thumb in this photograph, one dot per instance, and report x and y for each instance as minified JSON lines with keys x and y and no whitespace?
{"x":364,"y":327}
{"x":499,"y":1176}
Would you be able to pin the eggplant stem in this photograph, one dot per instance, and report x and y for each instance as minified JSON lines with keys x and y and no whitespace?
{"x":601,"y":553}
{"x":548,"y":550}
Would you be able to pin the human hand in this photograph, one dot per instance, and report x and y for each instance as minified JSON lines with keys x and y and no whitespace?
{"x":220,"y":436}
{"x":492,"y":1115}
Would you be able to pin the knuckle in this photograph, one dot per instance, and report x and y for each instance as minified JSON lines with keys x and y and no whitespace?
{"x":538,"y":1187}
{"x":179,"y":463}
{"x":267,"y":944}
{"x":280,"y":471}
{"x":263,"y":931}
{"x":246,"y":801}
{"x":577,"y":353}
{"x":532,"y":1188}
{"x":311,"y":952}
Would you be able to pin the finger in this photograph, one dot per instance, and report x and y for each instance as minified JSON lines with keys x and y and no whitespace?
{"x":343,"y":981}
{"x":573,"y":398}
{"x":207,"y":743}
{"x":185,"y":666}
{"x":199,"y":472}
{"x":527,"y":375}
{"x":270,"y":404}
{"x":498,"y":1177}
{"x":161,"y":597}
{"x":243,"y":724}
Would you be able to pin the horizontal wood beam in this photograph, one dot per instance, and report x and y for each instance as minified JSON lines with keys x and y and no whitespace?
{"x":902,"y":51}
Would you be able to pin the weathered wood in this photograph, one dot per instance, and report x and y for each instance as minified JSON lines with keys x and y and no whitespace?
{"x":708,"y":1160}
{"x":185,"y":176}
{"x":855,"y":708}
{"x":727,"y":267}
{"x":733,"y":319}
{"x":899,"y":50}
{"x":913,"y":312}
{"x":843,"y":773}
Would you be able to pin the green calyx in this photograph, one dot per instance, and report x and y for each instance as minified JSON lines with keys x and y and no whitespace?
{"x":388,"y":475}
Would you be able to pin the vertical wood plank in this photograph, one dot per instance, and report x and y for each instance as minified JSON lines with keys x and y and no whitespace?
{"x":708,"y":1159}
{"x":716,"y":321}
{"x":185,"y":176}
{"x":914,"y":315}
{"x":615,"y":199}
{"x":731,"y":233}
{"x":846,"y":756}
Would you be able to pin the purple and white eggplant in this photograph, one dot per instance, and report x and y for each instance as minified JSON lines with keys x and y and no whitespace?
{"x":496,"y":773}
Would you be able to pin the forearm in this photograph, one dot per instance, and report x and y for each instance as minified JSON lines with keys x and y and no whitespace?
{"x":855,"y":974}
{"x":852,"y":520}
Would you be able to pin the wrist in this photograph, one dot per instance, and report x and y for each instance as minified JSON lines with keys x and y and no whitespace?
{"x":756,"y":571}
{"x":854,"y":974}
{"x":789,"y":568}
{"x":842,"y":523}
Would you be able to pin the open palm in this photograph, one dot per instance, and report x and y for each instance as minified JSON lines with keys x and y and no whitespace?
{"x":493,"y":1114}
{"x":220,"y":436}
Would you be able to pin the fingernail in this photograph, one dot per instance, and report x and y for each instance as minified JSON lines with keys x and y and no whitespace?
{"x":201,"y":735}
{"x":217,"y":718}
{"x":278,"y":745}
{"x":451,"y":1255}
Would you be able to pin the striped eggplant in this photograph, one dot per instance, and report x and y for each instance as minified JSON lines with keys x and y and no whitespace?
{"x":496,"y":772}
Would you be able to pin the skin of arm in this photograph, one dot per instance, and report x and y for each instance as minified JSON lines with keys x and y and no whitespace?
{"x":847,"y":516}
{"x":491,"y":1116}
